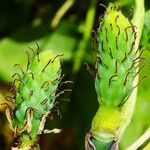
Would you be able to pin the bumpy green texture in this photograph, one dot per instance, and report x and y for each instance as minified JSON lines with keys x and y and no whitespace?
{"x":116,"y":65}
{"x":35,"y":96}
{"x":116,"y":54}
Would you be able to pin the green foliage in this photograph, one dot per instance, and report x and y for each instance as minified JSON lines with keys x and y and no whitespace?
{"x":140,"y":121}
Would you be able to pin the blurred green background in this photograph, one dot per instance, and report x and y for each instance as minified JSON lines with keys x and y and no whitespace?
{"x":66,"y":27}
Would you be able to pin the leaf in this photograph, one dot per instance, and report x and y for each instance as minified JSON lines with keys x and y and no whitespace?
{"x":64,"y":40}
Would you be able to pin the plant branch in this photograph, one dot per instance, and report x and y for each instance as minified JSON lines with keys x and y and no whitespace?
{"x":141,"y":140}
{"x":86,"y":36}
{"x":128,"y":108}
{"x":138,"y":19}
{"x":61,"y":12}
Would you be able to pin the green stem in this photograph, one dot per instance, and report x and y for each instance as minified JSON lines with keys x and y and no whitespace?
{"x":138,"y":19}
{"x":86,"y":36}
{"x":61,"y":12}
{"x":27,"y":143}
{"x":128,"y":108}
{"x":141,"y":140}
{"x":122,"y":3}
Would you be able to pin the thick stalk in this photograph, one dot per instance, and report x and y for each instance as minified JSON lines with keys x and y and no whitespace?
{"x":141,"y":140}
{"x":129,"y":106}
{"x":61,"y":12}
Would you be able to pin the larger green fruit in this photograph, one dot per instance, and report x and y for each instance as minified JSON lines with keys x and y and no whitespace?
{"x":116,"y":65}
{"x":116,"y":58}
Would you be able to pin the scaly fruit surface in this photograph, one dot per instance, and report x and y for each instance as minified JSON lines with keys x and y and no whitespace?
{"x":35,"y":94}
{"x":116,"y":65}
{"x":116,"y":54}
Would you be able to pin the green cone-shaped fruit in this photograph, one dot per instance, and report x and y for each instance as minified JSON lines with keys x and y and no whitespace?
{"x":116,"y":54}
{"x":35,"y":97}
{"x":116,"y":67}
